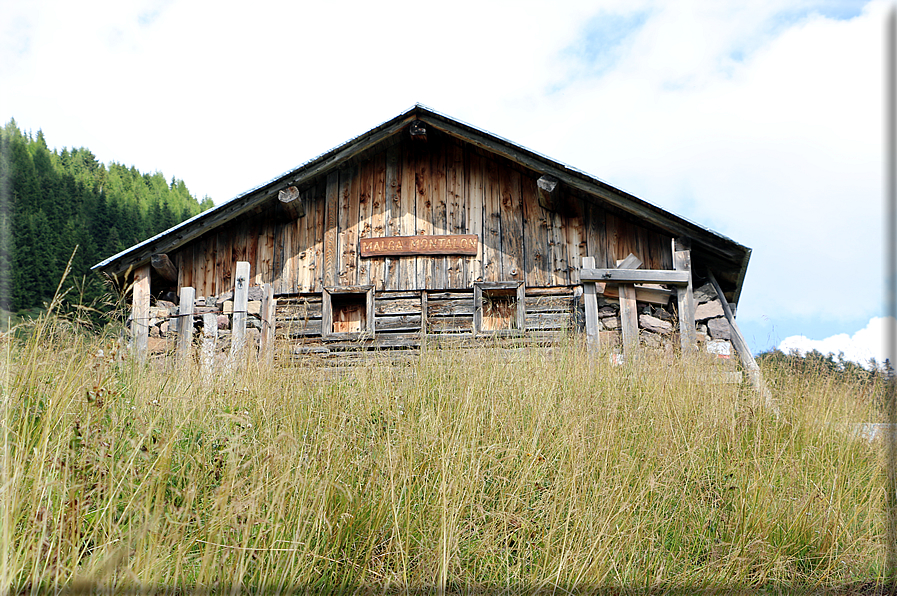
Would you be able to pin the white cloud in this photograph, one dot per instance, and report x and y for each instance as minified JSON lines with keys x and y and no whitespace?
{"x":861,"y":347}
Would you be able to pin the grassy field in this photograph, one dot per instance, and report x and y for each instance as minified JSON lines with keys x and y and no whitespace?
{"x":463,"y":471}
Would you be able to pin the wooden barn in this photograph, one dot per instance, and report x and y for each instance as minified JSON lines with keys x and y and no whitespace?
{"x":426,"y":229}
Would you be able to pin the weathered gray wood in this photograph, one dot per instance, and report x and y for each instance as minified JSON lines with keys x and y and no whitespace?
{"x":590,"y":300}
{"x":187,"y":299}
{"x":241,"y":299}
{"x":629,"y":322}
{"x":521,"y":307}
{"x":637,"y":276}
{"x":164,"y":267}
{"x":266,"y":341}
{"x":685,"y":296}
{"x":667,"y":222}
{"x":549,"y":190}
{"x":230,"y":210}
{"x":291,"y":201}
{"x":477,"y":307}
{"x":209,"y":342}
{"x":630,"y":262}
{"x":424,"y":311}
{"x":744,"y":352}
{"x":659,"y":296}
{"x":140,"y":312}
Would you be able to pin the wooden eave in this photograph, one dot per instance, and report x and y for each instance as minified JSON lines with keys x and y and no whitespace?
{"x":727,"y":258}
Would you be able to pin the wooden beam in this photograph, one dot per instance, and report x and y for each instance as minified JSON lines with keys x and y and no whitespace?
{"x":418,"y":131}
{"x":185,"y":324}
{"x":291,"y":202}
{"x":635,"y":276}
{"x":241,"y":300}
{"x":744,"y":352}
{"x":549,"y":190}
{"x":140,"y":312}
{"x":590,"y":300}
{"x":266,"y":342}
{"x":685,"y":296}
{"x":164,"y":267}
{"x":659,"y":296}
{"x":630,"y":262}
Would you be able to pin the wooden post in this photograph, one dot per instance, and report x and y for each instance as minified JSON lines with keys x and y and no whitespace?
{"x":629,"y":321}
{"x":266,"y":342}
{"x":590,"y":300}
{"x":241,"y":302}
{"x":209,"y":343}
{"x":629,"y":309}
{"x":140,"y":312}
{"x":685,"y":295}
{"x":744,"y":352}
{"x":424,"y":297}
{"x":185,"y":324}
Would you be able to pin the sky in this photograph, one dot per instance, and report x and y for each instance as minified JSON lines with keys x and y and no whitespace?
{"x":762,"y":120}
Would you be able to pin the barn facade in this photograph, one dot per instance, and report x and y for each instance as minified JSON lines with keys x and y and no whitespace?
{"x":425,"y":228}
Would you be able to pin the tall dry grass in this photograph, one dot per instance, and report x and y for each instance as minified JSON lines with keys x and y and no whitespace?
{"x":457,"y":472}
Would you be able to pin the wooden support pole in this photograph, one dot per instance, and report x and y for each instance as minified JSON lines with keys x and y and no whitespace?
{"x":744,"y":352}
{"x":590,"y":301}
{"x":266,"y":342}
{"x":140,"y":312}
{"x":685,"y":296}
{"x":187,"y":299}
{"x":241,"y":303}
{"x":209,"y":343}
{"x":164,"y":267}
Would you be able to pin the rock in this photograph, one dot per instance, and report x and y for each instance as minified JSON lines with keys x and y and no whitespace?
{"x":200,"y":301}
{"x":255,"y":293}
{"x":662,"y":314}
{"x":165,"y":304}
{"x":708,"y":310}
{"x":254,"y":307}
{"x":607,"y":311}
{"x":163,"y":328}
{"x":223,"y":322}
{"x":719,"y":328}
{"x":610,"y":323}
{"x":705,"y":293}
{"x":228,"y":307}
{"x":154,"y":332}
{"x":654,"y":325}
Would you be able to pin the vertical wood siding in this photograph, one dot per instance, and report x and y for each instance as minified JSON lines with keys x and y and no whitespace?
{"x":440,"y":186}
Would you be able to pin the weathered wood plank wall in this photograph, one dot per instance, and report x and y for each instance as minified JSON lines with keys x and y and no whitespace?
{"x":440,"y":186}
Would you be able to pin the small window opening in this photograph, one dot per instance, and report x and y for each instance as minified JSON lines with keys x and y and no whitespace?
{"x":348,"y":312}
{"x":499,"y":307}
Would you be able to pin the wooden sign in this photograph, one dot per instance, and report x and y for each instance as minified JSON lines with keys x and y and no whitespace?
{"x":389,"y":246}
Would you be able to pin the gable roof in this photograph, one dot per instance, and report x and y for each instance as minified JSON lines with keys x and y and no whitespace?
{"x":727,"y":258}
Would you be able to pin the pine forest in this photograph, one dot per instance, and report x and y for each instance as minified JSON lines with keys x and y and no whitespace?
{"x":54,"y":201}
